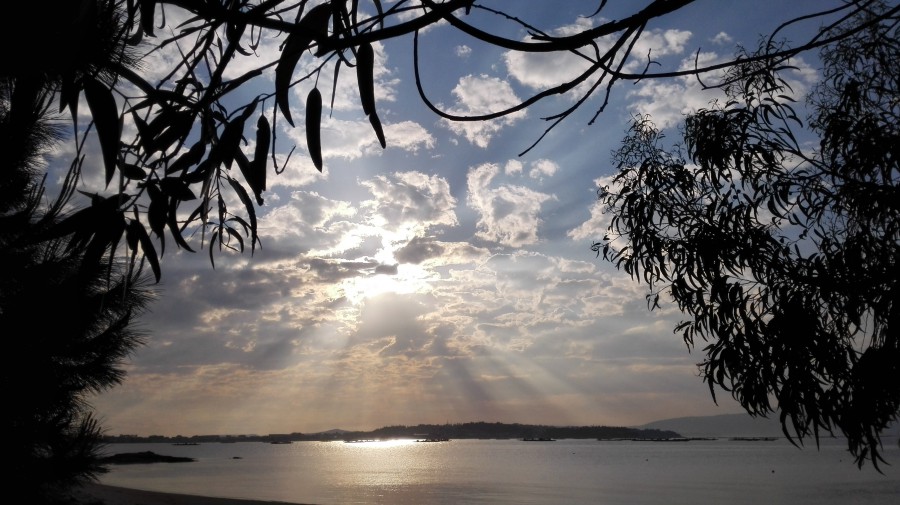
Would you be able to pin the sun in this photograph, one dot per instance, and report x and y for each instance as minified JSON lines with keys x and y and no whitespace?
{"x":409,"y":279}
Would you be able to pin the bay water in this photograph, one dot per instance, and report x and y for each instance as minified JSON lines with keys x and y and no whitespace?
{"x":561,"y":472}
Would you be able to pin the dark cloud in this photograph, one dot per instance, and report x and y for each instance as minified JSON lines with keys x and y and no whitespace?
{"x":330,"y":271}
{"x":418,"y":250}
{"x":386,"y":269}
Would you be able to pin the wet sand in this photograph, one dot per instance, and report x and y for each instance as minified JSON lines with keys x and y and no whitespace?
{"x":95,"y":494}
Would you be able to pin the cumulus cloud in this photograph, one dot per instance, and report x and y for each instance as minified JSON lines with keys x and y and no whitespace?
{"x":722,"y":39}
{"x":476,"y":95}
{"x":657,"y":42}
{"x":410,"y":199}
{"x":350,"y":140}
{"x":514,"y":167}
{"x":542,"y":168}
{"x":668,"y":100}
{"x":508,"y":214}
{"x":544,"y":70}
{"x":304,"y":214}
{"x":541,"y":71}
{"x":596,"y":226}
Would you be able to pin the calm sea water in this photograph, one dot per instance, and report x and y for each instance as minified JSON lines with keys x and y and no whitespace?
{"x":563,"y":472}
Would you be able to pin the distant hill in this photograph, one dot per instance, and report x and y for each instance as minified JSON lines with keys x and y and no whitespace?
{"x":486,"y":430}
{"x":734,"y":425}
{"x":334,"y":431}
{"x":482,"y":430}
{"x":723,"y":425}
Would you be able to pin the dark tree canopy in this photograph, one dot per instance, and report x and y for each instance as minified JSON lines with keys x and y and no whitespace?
{"x":67,"y":311}
{"x":782,"y":256}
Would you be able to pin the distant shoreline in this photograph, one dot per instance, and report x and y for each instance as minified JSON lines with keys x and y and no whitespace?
{"x":456,"y":431}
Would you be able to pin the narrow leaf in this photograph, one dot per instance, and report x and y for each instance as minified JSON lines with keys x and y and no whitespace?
{"x":313,"y":26}
{"x":172,"y":222}
{"x":200,"y":175}
{"x":237,"y":236}
{"x":313,"y":127}
{"x":380,"y":11}
{"x":156,"y":212}
{"x":251,"y":212}
{"x":337,"y":70}
{"x":283,"y":72}
{"x":230,"y":142}
{"x":379,"y":132}
{"x":149,"y":252}
{"x":135,"y":234}
{"x":68,"y":97}
{"x":132,"y":171}
{"x":188,"y":159}
{"x":212,"y":240}
{"x":263,"y":139}
{"x":176,"y":188}
{"x":106,"y":119}
{"x":178,"y":129}
{"x":147,"y":8}
{"x":245,"y":165}
{"x":365,"y":64}
{"x":144,"y":131}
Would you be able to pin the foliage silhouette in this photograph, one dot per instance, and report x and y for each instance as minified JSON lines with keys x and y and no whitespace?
{"x":783,"y":257}
{"x":66,"y":309}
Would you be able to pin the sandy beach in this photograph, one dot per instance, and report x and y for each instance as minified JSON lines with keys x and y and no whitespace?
{"x":96,"y":494}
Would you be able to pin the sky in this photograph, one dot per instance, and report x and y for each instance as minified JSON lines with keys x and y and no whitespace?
{"x":445,"y":278}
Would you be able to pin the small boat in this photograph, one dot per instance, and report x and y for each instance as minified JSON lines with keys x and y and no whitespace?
{"x":186,"y":443}
{"x":433,"y":440}
{"x":280,"y":442}
{"x":540,"y":439}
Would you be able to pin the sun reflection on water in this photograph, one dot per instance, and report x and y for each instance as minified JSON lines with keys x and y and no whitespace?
{"x":381,"y":443}
{"x":376,"y":467}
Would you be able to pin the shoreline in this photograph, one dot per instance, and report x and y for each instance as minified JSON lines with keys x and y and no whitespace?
{"x":95,"y":494}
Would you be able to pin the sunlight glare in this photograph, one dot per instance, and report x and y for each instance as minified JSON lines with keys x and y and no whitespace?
{"x":382,"y":444}
{"x":408,"y":279}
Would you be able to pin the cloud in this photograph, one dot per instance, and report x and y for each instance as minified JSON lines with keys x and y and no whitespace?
{"x":430,"y":290}
{"x":409,"y":200}
{"x":477,"y":95}
{"x":345,"y":96}
{"x":542,"y":168}
{"x":305,"y":213}
{"x":508,"y":215}
{"x":595,"y":228}
{"x":352,"y":139}
{"x":657,"y":42}
{"x":722,"y":39}
{"x":513,"y":167}
{"x":543,"y":71}
{"x":667,"y":101}
{"x":419,"y":249}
